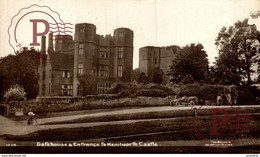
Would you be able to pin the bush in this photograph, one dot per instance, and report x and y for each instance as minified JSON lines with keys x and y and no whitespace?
{"x":188,"y":79}
{"x":246,"y":95}
{"x":155,"y":90}
{"x":15,"y":93}
{"x":132,"y":90}
{"x":204,"y":90}
{"x":124,"y":89}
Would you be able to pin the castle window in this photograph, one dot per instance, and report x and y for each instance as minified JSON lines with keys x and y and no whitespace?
{"x":81,"y":30}
{"x":66,"y":74}
{"x":80,"y":90}
{"x":103,"y":53}
{"x":66,"y":89}
{"x":103,"y":71}
{"x":80,"y":68}
{"x":81,"y":49}
{"x":120,"y":71}
{"x":70,"y":89}
{"x":120,"y":49}
{"x":120,"y":52}
{"x":103,"y":87}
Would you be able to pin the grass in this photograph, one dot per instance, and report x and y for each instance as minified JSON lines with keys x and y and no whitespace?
{"x":131,"y":116}
{"x":159,"y":130}
{"x":144,"y":115}
{"x":204,"y":128}
{"x":69,"y":113}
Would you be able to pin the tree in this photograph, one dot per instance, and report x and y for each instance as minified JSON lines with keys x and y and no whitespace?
{"x":188,"y":79}
{"x":89,"y":83}
{"x":238,"y":52}
{"x":136,"y":74}
{"x":158,"y":76}
{"x":20,"y":69}
{"x":255,"y":14}
{"x":191,"y":60}
{"x":143,"y":78}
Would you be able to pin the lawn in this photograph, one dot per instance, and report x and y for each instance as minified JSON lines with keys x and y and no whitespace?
{"x":146,"y":115}
{"x":158,"y":130}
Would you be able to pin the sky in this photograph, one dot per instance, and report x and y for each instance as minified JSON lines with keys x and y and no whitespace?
{"x":154,"y":22}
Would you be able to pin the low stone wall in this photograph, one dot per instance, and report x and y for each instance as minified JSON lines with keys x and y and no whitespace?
{"x":67,"y":99}
{"x":56,"y":104}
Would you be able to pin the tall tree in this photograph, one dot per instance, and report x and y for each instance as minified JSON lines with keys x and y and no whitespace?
{"x":136,"y":74}
{"x":158,"y":76}
{"x":192,"y":61}
{"x":89,"y":83}
{"x":20,"y":69}
{"x":142,"y":78}
{"x":238,"y":52}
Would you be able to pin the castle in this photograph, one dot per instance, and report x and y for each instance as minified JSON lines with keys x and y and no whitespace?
{"x":153,"y":59}
{"x":88,"y":65}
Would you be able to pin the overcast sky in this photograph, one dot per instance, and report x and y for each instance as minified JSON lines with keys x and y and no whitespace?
{"x":154,"y":22}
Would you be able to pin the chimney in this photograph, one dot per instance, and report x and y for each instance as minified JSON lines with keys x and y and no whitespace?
{"x":41,"y":66}
{"x":43,"y":45}
{"x":50,"y":42}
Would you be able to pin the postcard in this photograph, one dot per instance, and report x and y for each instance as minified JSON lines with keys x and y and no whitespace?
{"x":131,"y":77}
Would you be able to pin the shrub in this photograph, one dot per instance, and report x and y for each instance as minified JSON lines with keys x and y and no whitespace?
{"x":204,"y":90}
{"x":247,"y":95}
{"x":188,"y":79}
{"x":124,"y":89}
{"x":156,"y":90}
{"x":15,"y":93}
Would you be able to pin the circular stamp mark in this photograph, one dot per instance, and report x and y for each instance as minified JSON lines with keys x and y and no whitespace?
{"x":217,"y":128}
{"x":42,"y":21}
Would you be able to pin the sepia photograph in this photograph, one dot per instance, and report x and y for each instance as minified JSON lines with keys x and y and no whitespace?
{"x":129,"y":77}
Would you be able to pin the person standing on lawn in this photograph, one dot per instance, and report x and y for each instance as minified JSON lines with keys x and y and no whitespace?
{"x":31,"y":116}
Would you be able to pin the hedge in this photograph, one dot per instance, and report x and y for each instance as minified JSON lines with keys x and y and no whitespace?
{"x":155,"y":90}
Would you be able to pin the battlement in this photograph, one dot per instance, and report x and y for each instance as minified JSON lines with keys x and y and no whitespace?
{"x":106,"y":40}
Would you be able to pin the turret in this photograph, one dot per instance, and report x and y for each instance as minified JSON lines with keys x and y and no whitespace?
{"x":123,"y":55}
{"x":123,"y":37}
{"x":85,"y":57}
{"x":85,"y":32}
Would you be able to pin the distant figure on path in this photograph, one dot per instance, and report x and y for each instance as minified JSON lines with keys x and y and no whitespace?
{"x":194,"y":112}
{"x":31,"y":117}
